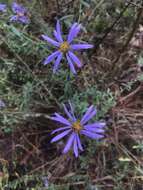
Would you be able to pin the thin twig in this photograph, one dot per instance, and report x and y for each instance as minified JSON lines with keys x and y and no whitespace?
{"x":134,"y":4}
{"x":116,"y":69}
{"x":36,"y":115}
{"x":95,"y":8}
{"x":126,"y":98}
{"x":108,"y":30}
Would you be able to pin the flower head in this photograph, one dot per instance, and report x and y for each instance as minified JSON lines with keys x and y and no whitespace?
{"x":2,"y":104}
{"x":74,"y":128}
{"x":65,"y":47}
{"x":3,"y":7}
{"x":20,"y":14}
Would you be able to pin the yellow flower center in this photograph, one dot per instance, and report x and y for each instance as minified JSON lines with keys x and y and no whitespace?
{"x":77,"y":126}
{"x":64,"y":47}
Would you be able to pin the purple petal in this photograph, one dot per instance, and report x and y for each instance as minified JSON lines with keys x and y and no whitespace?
{"x":75,"y":147}
{"x":73,"y":32}
{"x":3,"y":7}
{"x":16,"y":8}
{"x":71,"y":64}
{"x":23,"y":19}
{"x":68,"y":113}
{"x":58,"y":30}
{"x":97,"y":125}
{"x":72,"y":111}
{"x":81,"y":46}
{"x":60,"y":136}
{"x":91,"y":134}
{"x":79,"y":143}
{"x":75,"y":59}
{"x":2,"y":104}
{"x":56,"y":35}
{"x":89,"y":110}
{"x":88,"y":115}
{"x":92,"y":114}
{"x":69,"y":143}
{"x":61,"y":119}
{"x":51,"y":57}
{"x":57,"y":62}
{"x":93,"y":129}
{"x":60,"y":129}
{"x":13,"y":18}
{"x":51,"y":41}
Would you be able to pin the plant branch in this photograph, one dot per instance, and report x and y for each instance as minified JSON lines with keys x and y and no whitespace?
{"x":116,"y":68}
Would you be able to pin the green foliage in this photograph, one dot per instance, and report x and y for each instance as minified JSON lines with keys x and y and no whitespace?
{"x":102,"y":100}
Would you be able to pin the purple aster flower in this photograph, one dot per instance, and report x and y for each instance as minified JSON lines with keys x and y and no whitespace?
{"x":65,"y":47}
{"x":2,"y":7}
{"x":74,"y":128}
{"x":20,"y":14}
{"x":2,"y":104}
